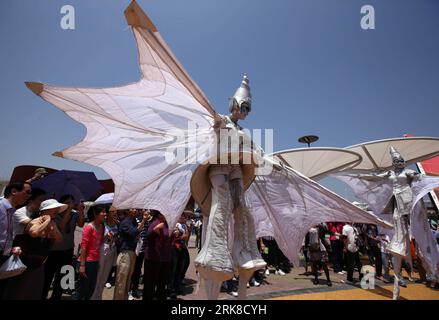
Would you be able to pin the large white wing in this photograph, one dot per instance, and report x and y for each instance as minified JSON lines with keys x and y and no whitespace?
{"x":285,"y":204}
{"x":420,"y":228}
{"x":132,"y":129}
{"x":375,"y":191}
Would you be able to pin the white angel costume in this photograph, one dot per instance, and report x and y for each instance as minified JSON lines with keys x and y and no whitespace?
{"x":222,"y":199}
{"x":405,"y":188}
{"x":215,"y":261}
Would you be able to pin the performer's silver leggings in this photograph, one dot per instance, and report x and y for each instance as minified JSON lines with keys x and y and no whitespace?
{"x":215,"y":255}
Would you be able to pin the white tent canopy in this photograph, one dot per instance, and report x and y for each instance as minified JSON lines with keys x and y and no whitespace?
{"x":376,"y":157}
{"x":315,"y":163}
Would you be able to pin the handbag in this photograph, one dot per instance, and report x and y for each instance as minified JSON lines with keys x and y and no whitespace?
{"x":12,"y":267}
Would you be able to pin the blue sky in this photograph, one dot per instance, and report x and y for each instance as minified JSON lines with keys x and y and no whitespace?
{"x":313,"y":70}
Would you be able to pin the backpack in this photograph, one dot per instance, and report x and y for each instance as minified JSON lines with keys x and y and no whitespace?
{"x":359,"y":242}
{"x":314,"y":241}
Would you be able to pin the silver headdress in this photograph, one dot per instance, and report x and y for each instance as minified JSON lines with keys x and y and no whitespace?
{"x":396,"y":156}
{"x":242,"y":97}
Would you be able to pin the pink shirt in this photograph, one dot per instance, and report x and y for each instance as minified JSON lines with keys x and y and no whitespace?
{"x":91,"y":242}
{"x":335,"y":227}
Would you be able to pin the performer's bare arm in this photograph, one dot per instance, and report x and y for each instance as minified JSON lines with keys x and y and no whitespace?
{"x":375,"y":176}
{"x":413,"y":176}
{"x":218,"y":122}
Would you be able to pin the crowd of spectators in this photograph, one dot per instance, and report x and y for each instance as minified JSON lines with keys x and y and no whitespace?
{"x":130,"y":248}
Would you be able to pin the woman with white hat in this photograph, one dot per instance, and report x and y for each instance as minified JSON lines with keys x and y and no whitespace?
{"x":39,"y":235}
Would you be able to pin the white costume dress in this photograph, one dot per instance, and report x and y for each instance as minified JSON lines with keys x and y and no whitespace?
{"x":400,"y":244}
{"x":215,"y":260}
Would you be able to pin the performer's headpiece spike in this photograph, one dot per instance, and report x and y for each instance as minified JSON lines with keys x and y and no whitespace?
{"x":397,"y":159}
{"x":242,"y":97}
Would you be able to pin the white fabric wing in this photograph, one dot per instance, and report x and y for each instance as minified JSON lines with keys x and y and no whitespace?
{"x":375,"y":191}
{"x":286,"y":204}
{"x":424,"y":185}
{"x":134,"y":131}
{"x":420,"y":228}
{"x":427,"y":245}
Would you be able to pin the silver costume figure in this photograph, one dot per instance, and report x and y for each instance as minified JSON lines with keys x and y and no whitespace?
{"x":405,"y":189}
{"x":216,"y":262}
{"x":402,"y":203}
{"x":399,"y":247}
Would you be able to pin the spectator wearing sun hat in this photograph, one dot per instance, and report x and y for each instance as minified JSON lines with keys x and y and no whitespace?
{"x":15,"y":194}
{"x":61,"y":254}
{"x":39,"y":236}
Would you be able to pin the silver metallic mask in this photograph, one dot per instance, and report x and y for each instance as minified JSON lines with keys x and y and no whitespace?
{"x":242,"y":98}
{"x":397,"y":159}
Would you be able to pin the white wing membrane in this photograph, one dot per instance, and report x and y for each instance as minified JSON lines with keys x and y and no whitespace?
{"x":132,"y":129}
{"x":286,"y":204}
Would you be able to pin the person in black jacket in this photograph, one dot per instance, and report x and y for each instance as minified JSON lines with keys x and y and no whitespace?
{"x":129,"y":231}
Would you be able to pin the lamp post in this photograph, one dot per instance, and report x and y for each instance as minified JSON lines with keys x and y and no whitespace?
{"x":308,"y":139}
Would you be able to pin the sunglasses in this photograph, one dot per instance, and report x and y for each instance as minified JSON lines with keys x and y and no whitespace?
{"x":244,"y":109}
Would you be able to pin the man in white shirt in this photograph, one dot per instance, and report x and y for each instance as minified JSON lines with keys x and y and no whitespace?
{"x":25,"y":214}
{"x":350,"y":235}
{"x":16,"y":194}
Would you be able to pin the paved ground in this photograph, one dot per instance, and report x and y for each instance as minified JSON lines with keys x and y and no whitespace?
{"x":298,"y":286}
{"x":412,"y":292}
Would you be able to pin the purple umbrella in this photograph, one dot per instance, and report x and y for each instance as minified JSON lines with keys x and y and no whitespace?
{"x":81,"y":185}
